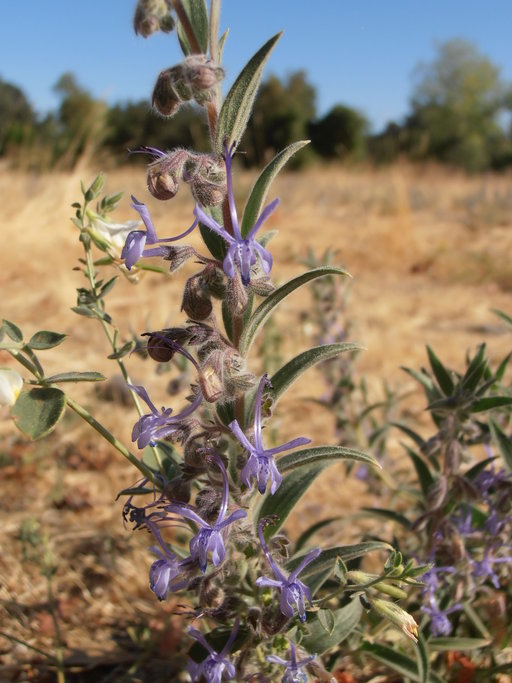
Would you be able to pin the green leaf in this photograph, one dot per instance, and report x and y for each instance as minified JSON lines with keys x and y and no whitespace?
{"x":344,"y":620}
{"x":123,"y":351}
{"x":418,"y":440}
{"x":259,"y":316}
{"x":46,"y":340}
{"x":287,"y":375}
{"x":490,"y":403}
{"x":237,"y":106}
{"x":422,"y":659}
{"x":441,"y":373}
{"x":323,"y":454}
{"x":389,"y":514}
{"x":36,"y":412}
{"x":76,"y":377}
{"x":506,"y":318}
{"x":457,"y":644}
{"x":502,"y":367}
{"x":292,"y":488}
{"x":11,"y":330}
{"x":85,"y":311}
{"x":423,"y":472}
{"x":107,"y":287}
{"x":95,"y":188}
{"x":165,"y":452}
{"x":259,"y":192}
{"x":198,"y":17}
{"x":475,"y":370}
{"x":503,"y":441}
{"x":397,"y":661}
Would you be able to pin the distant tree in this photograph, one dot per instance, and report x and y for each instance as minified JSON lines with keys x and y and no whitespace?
{"x":456,"y":104}
{"x":340,"y":134}
{"x":17,"y":118}
{"x":134,"y":124}
{"x":281,"y":114}
{"x":81,"y":121}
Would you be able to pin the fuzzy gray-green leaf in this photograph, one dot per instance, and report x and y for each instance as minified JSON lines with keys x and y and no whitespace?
{"x":36,"y":412}
{"x":198,"y":17}
{"x":397,"y":661}
{"x":323,"y":454}
{"x":344,"y":620}
{"x":76,"y":377}
{"x":292,"y":488}
{"x":46,"y":340}
{"x":259,"y":191}
{"x":287,"y":375}
{"x":237,"y":106}
{"x":260,"y":315}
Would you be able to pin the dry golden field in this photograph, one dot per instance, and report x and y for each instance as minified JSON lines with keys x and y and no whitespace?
{"x":429,"y":252}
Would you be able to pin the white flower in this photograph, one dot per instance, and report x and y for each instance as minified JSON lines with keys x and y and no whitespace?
{"x":10,"y":386}
{"x":112,"y":236}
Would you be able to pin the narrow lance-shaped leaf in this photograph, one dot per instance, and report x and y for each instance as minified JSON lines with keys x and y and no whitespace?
{"x":261,"y":313}
{"x":503,"y":441}
{"x":76,"y":377}
{"x":325,"y":455}
{"x":397,"y":661}
{"x":457,"y":644}
{"x":36,"y":412}
{"x":237,"y":106}
{"x":292,"y":488}
{"x":441,"y":373}
{"x":259,"y":192}
{"x":329,"y":555}
{"x":286,"y":375}
{"x":11,"y":330}
{"x":198,"y":18}
{"x":491,"y":403}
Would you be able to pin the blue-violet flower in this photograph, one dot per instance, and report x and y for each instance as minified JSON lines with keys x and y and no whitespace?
{"x":260,"y":465}
{"x":293,"y":667}
{"x":209,"y":538}
{"x":293,"y":590}
{"x":133,"y":249}
{"x":216,"y":666}
{"x":242,"y":251}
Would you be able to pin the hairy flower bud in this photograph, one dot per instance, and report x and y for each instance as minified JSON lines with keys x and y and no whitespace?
{"x":165,"y":99}
{"x":165,"y":172}
{"x":151,"y":16}
{"x":196,"y":301}
{"x":398,"y":616}
{"x":207,"y":178}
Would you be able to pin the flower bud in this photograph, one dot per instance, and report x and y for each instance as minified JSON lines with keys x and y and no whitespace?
{"x":151,"y":16}
{"x":196,"y":302}
{"x":165,"y":99}
{"x":398,"y":616}
{"x":162,"y":184}
{"x":159,"y":350}
{"x":10,"y":386}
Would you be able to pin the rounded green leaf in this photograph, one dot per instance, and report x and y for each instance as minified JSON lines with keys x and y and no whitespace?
{"x":325,"y":634}
{"x":36,"y":412}
{"x":46,"y":340}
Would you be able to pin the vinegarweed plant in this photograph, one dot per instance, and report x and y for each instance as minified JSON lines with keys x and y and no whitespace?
{"x":214,"y":495}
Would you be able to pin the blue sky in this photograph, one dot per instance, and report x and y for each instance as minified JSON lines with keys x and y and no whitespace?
{"x":358,"y":52}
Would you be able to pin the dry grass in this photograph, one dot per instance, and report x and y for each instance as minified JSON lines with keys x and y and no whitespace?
{"x":429,"y":255}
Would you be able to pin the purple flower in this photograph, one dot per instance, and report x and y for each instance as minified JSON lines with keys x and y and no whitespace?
{"x":133,"y":249}
{"x":158,"y":424}
{"x":293,"y":590}
{"x":216,"y":666}
{"x":164,"y":572}
{"x":293,"y":673}
{"x":209,"y":538}
{"x":242,"y":251}
{"x":260,"y":465}
{"x":440,"y":624}
{"x":484,"y":568}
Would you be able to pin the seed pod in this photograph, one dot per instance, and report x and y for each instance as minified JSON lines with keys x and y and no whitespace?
{"x":196,"y":302}
{"x":165,"y":99}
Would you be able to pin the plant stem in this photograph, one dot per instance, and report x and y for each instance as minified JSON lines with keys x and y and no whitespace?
{"x":187,"y":26}
{"x":87,"y":417}
{"x":61,"y":676}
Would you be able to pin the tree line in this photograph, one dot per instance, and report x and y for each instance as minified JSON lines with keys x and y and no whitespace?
{"x":460,"y":114}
